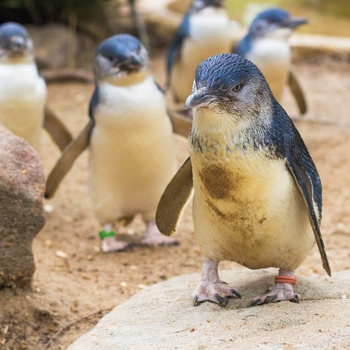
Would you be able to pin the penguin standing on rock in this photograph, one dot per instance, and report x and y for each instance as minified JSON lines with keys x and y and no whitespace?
{"x":257,"y":194}
{"x":132,"y":152}
{"x":23,"y":90}
{"x":203,"y":32}
{"x":267,"y":46}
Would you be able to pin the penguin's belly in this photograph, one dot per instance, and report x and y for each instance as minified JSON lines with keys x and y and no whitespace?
{"x":22,"y":101}
{"x":132,"y":158}
{"x":273,"y":58}
{"x":209,"y":36}
{"x":249,"y":210}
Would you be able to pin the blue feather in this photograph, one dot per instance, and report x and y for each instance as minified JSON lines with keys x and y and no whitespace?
{"x":94,"y":101}
{"x":175,"y":48}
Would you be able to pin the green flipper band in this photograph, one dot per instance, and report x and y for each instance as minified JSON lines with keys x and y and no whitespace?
{"x":104,"y":234}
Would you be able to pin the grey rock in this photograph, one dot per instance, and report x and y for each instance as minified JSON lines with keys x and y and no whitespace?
{"x":163,"y":317}
{"x":22,"y":185}
{"x":56,"y":46}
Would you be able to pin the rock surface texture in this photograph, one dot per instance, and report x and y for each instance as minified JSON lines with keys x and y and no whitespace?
{"x":163,"y":317}
{"x":55,"y":50}
{"x":22,"y":186}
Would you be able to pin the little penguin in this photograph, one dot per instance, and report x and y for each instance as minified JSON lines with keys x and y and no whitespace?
{"x":132,"y":151}
{"x":267,"y":46}
{"x":23,"y":90}
{"x":203,"y":32}
{"x":257,"y":193}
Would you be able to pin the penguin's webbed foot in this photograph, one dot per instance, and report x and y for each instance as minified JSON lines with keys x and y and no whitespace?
{"x":112,"y":245}
{"x":153,"y":237}
{"x":159,"y":241}
{"x":280,"y":292}
{"x":216,"y":292}
{"x":211,"y":288}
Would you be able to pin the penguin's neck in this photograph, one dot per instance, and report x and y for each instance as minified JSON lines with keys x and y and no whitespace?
{"x":222,"y":133}
{"x":129,"y":79}
{"x":26,"y":59}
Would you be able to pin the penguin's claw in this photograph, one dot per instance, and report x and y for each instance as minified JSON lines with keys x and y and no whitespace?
{"x":112,"y":245}
{"x":153,"y":237}
{"x":215,"y":292}
{"x":280,"y":292}
{"x":159,"y":241}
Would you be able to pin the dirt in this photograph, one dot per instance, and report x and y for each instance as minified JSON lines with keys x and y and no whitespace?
{"x":75,"y":284}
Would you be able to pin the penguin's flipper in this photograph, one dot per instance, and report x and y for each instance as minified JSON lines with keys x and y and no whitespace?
{"x":174,"y":199}
{"x":175,"y":48}
{"x":308,"y":185}
{"x":181,"y":124}
{"x":70,"y":154}
{"x":58,"y":132}
{"x":297,"y":92}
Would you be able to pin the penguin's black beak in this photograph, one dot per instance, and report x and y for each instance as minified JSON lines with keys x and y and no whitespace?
{"x":218,"y":3}
{"x":17,"y":44}
{"x":200,"y":98}
{"x":132,"y":63}
{"x":293,"y":22}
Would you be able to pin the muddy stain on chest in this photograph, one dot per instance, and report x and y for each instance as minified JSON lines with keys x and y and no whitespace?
{"x":229,"y":186}
{"x":219,"y":182}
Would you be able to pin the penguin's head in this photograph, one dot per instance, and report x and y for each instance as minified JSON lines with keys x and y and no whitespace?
{"x":274,"y":22}
{"x":231,"y":87}
{"x":120,"y":56}
{"x":15,"y":42}
{"x":199,"y":5}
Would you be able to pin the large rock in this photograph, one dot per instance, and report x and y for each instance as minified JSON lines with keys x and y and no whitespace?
{"x":22,"y":185}
{"x":163,"y":317}
{"x":56,"y":46}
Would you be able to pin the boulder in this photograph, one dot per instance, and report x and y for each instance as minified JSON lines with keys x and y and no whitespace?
{"x":22,"y":185}
{"x":163,"y":317}
{"x":55,"y":45}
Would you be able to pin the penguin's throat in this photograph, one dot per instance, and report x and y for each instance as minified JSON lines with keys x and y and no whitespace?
{"x":20,"y":58}
{"x":215,"y":133}
{"x":128,"y":79}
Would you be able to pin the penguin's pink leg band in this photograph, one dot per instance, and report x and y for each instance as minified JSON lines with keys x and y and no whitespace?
{"x":285,"y":279}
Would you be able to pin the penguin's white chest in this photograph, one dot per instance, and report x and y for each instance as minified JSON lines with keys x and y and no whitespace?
{"x":248,"y":209}
{"x":209,"y":36}
{"x":273,"y":57}
{"x":22,"y":101}
{"x":132,"y":155}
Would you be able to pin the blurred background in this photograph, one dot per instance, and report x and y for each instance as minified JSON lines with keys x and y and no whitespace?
{"x":331,"y":17}
{"x":72,"y":28}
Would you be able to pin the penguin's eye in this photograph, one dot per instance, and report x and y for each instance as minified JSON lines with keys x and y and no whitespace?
{"x":237,"y":87}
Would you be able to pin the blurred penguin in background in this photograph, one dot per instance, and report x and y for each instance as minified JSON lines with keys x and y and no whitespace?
{"x":203,"y":32}
{"x":132,"y":152}
{"x":267,"y":46}
{"x":23,"y":90}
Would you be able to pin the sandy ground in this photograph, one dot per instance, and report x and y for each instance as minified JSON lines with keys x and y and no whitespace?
{"x":75,"y":284}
